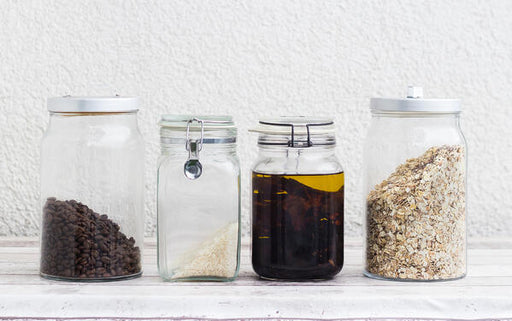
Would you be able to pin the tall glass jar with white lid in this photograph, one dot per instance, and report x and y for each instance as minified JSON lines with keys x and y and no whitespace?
{"x":415,"y":197}
{"x":92,"y":189}
{"x":198,"y":199}
{"x":297,"y":200}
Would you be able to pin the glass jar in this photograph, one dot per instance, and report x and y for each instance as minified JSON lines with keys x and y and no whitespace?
{"x":198,"y":199}
{"x":415,"y":171}
{"x":297,"y":200}
{"x":92,"y":188}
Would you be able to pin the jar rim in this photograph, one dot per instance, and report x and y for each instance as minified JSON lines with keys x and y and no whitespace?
{"x":194,"y":122}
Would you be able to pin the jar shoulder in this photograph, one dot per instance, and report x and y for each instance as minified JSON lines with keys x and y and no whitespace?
{"x":113,"y":136}
{"x":424,"y":131}
{"x":311,"y":164}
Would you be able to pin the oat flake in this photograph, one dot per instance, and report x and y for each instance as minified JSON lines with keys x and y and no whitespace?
{"x":416,"y":219}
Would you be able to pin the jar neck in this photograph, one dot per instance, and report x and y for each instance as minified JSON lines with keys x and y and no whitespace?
{"x":219,"y":141}
{"x":207,"y":149}
{"x":416,"y":119}
{"x":297,"y":140}
{"x":320,"y":150}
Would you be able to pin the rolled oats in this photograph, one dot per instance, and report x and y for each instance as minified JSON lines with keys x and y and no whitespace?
{"x":416,"y":218}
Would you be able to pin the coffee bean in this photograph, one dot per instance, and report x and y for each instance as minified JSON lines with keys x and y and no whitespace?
{"x":79,"y":243}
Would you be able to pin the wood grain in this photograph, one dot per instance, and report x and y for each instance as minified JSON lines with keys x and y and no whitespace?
{"x":485,"y":293}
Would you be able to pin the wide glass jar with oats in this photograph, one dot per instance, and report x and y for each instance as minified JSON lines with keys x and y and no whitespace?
{"x":198,"y":199}
{"x":92,"y":189}
{"x":297,"y":200}
{"x":415,"y":172}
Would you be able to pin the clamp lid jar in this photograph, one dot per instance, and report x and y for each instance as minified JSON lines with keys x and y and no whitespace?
{"x":198,"y":199}
{"x":297,"y":200}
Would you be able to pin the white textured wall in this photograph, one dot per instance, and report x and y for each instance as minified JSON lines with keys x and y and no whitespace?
{"x":252,"y":58}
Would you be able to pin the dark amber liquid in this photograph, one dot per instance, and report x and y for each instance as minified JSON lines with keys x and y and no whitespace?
{"x":297,"y":225}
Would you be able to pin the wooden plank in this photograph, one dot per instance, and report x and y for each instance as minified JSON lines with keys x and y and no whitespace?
{"x":485,"y":293}
{"x":254,"y":302}
{"x":251,"y":280}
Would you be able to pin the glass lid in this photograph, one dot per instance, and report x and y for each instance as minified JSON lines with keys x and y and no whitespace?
{"x":196,"y":122}
{"x":207,"y":129}
{"x":296,"y":131}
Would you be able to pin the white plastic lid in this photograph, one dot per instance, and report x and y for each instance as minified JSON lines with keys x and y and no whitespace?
{"x":414,"y":102}
{"x":113,"y":104}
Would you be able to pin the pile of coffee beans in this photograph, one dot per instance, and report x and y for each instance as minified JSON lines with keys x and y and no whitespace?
{"x":79,"y":243}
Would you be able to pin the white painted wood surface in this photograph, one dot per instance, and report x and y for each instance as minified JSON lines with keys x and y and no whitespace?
{"x":484,"y":294}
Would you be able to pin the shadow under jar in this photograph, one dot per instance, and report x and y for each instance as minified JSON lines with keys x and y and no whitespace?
{"x":92,"y":187}
{"x":297,"y":200}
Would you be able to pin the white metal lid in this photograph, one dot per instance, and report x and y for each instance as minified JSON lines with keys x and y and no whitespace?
{"x":414,"y":102}
{"x":106,"y":104}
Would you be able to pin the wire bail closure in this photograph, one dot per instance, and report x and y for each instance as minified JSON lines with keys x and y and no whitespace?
{"x":188,"y":141}
{"x":292,"y":142}
{"x":193,"y":168}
